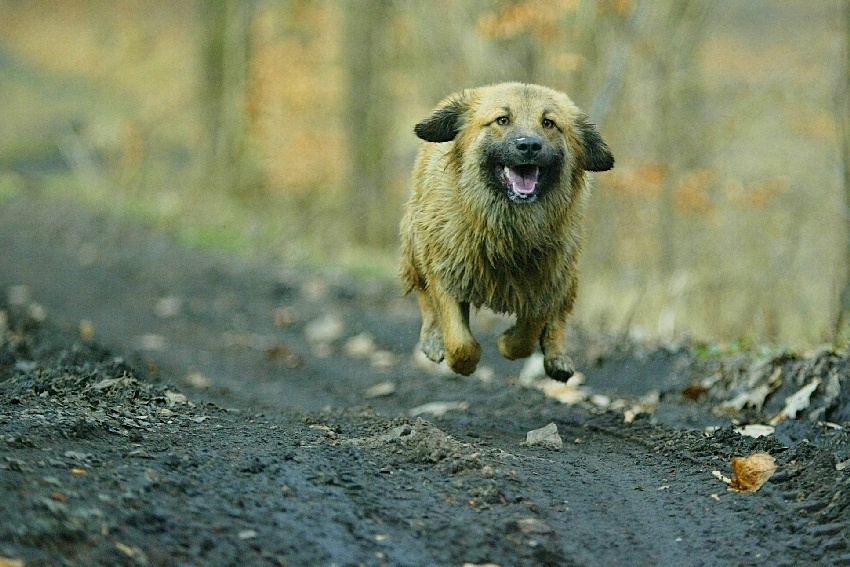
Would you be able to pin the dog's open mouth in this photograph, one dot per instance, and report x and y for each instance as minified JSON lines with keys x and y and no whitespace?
{"x":520,"y":181}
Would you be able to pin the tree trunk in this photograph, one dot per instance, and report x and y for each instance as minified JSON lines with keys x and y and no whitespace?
{"x":225,"y":54}
{"x":369,"y":121}
{"x":679,"y":92}
{"x":842,"y":116}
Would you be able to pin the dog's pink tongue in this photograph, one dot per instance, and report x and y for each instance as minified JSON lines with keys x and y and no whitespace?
{"x":523,"y":178}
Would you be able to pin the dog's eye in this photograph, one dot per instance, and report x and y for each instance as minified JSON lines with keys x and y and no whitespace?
{"x":547,"y":123}
{"x":502,"y":120}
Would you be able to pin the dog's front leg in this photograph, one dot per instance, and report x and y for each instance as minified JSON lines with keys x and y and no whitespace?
{"x":553,"y":341}
{"x":462,"y":351}
{"x":556,"y":362}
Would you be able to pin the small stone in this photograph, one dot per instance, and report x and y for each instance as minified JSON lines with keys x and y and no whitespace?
{"x":168,"y":306}
{"x":360,"y":346}
{"x":325,"y":329}
{"x":546,"y":436}
{"x":381,"y":389}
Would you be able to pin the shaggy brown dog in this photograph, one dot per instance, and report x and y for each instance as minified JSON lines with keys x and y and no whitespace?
{"x":495,"y":219}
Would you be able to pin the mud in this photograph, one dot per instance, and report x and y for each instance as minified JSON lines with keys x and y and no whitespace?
{"x":166,"y":406}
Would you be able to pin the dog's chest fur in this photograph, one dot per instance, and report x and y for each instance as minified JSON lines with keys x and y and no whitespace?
{"x":487,"y":251}
{"x":503,"y":264}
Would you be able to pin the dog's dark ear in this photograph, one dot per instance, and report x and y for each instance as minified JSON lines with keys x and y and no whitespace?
{"x":445,"y":122}
{"x":597,"y":156}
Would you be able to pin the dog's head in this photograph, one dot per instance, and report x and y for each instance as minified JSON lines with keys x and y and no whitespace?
{"x":525,"y":140}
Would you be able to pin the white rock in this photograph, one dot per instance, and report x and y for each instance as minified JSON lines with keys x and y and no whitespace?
{"x":325,"y":329}
{"x":546,"y":436}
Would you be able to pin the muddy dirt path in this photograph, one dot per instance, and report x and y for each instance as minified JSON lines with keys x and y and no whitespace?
{"x":249,"y":415}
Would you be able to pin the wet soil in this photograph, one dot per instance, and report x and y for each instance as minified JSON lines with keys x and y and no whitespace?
{"x":167,"y":406}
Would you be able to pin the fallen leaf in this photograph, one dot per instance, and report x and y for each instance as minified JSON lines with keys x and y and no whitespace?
{"x":282,"y":316}
{"x":600,"y":400}
{"x":750,"y":473}
{"x":79,"y":471}
{"x":174,"y":398}
{"x":546,"y":436}
{"x":694,"y":392}
{"x":37,"y":312}
{"x":110,"y":382}
{"x":9,"y":562}
{"x":797,"y":401}
{"x":282,"y":352}
{"x":132,"y":552}
{"x":647,"y":404}
{"x":568,"y":392}
{"x":756,"y":395}
{"x":438,"y":409}
{"x":534,"y":526}
{"x":18,"y":294}
{"x":760,"y":393}
{"x":755,"y":430}
{"x":86,"y":330}
{"x":151,"y":341}
{"x":197,"y":380}
{"x":719,"y":476}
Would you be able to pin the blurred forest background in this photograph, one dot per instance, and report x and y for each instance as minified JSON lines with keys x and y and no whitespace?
{"x":283,"y":129}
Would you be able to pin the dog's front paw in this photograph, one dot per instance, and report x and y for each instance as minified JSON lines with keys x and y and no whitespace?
{"x":560,"y":368}
{"x":433,"y":347}
{"x":464,"y":358}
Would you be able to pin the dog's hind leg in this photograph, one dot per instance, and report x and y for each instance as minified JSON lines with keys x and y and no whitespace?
{"x":520,"y":340}
{"x":430,"y":337}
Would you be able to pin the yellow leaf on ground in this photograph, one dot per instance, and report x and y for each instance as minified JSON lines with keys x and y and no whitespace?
{"x":750,"y":473}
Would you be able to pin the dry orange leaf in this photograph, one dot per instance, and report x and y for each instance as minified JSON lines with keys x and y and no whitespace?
{"x":750,"y":473}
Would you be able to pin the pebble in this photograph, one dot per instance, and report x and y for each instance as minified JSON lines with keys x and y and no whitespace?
{"x":546,"y":436}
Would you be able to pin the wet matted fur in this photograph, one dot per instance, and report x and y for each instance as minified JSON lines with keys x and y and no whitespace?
{"x":495,"y":218}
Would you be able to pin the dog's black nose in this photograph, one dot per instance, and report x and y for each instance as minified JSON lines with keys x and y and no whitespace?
{"x":529,"y":146}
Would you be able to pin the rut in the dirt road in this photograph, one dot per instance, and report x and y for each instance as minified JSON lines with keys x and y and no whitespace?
{"x":214,"y":449}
